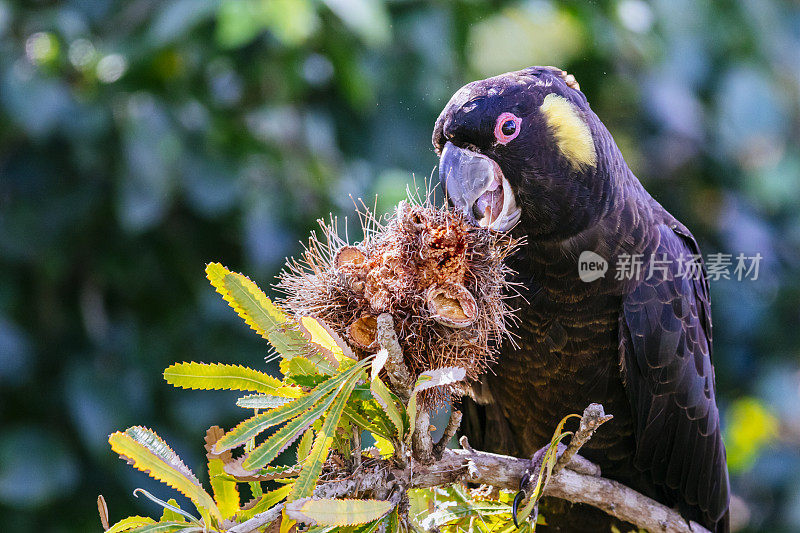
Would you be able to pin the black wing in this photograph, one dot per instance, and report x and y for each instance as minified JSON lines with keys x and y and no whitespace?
{"x":665,"y":344}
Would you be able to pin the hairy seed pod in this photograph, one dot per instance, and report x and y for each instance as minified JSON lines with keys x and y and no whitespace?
{"x":443,"y":281}
{"x":364,"y":332}
{"x":452,"y":304}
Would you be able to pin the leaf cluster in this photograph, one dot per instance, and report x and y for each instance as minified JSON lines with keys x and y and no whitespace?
{"x":325,"y":396}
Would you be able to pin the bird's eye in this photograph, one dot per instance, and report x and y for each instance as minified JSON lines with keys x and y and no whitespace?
{"x":507,"y":127}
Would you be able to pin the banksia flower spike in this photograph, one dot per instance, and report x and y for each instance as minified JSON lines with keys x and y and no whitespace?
{"x":443,"y":280}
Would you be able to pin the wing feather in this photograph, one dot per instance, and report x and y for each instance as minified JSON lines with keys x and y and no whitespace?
{"x":665,"y":339}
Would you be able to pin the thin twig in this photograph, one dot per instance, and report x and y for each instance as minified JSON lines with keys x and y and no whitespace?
{"x":449,"y":432}
{"x":593,"y":417}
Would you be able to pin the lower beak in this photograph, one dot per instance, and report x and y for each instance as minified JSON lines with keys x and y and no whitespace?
{"x":476,"y":186}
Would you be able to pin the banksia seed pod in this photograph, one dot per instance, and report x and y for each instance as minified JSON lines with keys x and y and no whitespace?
{"x":364,"y":332}
{"x":452,"y":304}
{"x":442,"y":280}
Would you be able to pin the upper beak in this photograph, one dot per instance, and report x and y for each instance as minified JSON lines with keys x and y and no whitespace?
{"x":477,"y":187}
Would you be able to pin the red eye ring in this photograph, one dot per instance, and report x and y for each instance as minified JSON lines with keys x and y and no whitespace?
{"x":501,"y":124}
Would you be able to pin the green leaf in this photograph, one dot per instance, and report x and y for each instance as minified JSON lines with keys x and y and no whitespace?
{"x":267,"y":501}
{"x":411,"y":413}
{"x":258,"y":311}
{"x":387,"y":400}
{"x":330,"y":512}
{"x":371,"y":527}
{"x":284,"y":437}
{"x":261,"y":401}
{"x":304,"y":446}
{"x":226,"y":494}
{"x":253,"y":426}
{"x":126,"y":524}
{"x":548,"y":462}
{"x":145,"y":450}
{"x":165,"y":527}
{"x":216,"y":376}
{"x":312,"y":467}
{"x":305,"y":372}
{"x":361,"y":421}
{"x":326,"y":340}
{"x":169,"y":515}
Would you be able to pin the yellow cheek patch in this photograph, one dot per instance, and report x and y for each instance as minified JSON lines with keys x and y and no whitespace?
{"x":572,"y":135}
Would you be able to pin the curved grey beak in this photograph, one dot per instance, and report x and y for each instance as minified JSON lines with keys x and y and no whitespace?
{"x":476,"y":186}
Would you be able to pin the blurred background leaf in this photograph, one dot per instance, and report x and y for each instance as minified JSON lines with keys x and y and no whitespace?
{"x":141,"y":139}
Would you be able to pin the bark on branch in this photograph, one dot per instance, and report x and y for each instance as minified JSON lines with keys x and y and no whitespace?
{"x":571,"y":483}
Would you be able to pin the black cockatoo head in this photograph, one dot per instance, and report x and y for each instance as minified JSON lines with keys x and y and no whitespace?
{"x":525,"y":147}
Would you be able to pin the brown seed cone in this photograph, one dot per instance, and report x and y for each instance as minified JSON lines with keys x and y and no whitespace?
{"x":443,"y":281}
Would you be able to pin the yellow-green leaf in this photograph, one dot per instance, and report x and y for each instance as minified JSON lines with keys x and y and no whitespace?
{"x":329,"y":512}
{"x":126,"y":524}
{"x":312,"y":467}
{"x":217,"y":376}
{"x":161,"y":527}
{"x":304,"y":446}
{"x":386,"y":399}
{"x":253,"y":426}
{"x":411,"y":413}
{"x":268,"y":450}
{"x":226,"y":494}
{"x":171,"y":516}
{"x":330,"y":344}
{"x":361,"y":421}
{"x":267,"y":501}
{"x":286,"y":523}
{"x":258,"y":311}
{"x":147,"y":452}
{"x":385,"y":446}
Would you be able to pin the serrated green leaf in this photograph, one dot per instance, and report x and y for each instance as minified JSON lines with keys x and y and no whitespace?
{"x":216,"y":376}
{"x":373,"y":411}
{"x":304,"y":371}
{"x":361,"y":421}
{"x":267,"y":501}
{"x":226,"y":494}
{"x":126,"y":524}
{"x":330,"y":512}
{"x":387,"y":401}
{"x":304,"y":446}
{"x":258,"y":311}
{"x":329,"y":343}
{"x":312,"y":467}
{"x":261,"y":401}
{"x":147,"y":452}
{"x":170,"y":515}
{"x":394,"y":521}
{"x":284,"y":437}
{"x":253,"y":426}
{"x":370,"y":527}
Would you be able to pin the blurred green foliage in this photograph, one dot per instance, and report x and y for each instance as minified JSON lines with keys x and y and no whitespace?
{"x":141,"y":139}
